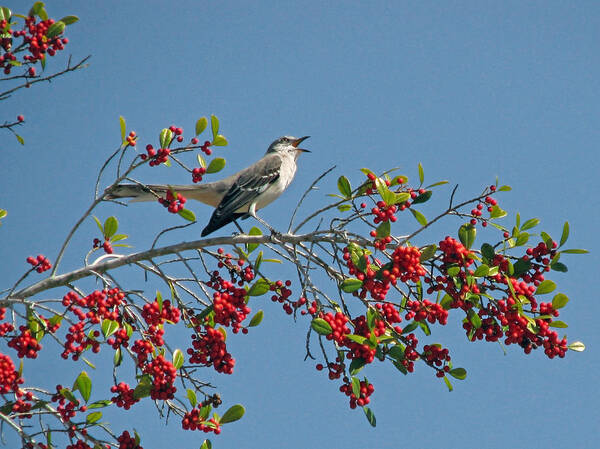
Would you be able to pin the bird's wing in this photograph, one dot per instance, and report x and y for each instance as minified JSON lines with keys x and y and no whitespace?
{"x":250,"y":183}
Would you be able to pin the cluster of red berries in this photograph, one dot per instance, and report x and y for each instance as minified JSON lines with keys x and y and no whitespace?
{"x":205,"y":147}
{"x":282,"y":295}
{"x":25,"y":344}
{"x":34,"y":36}
{"x":40,"y":263}
{"x":193,"y":420}
{"x":209,"y":349}
{"x":173,"y":203}
{"x":477,"y":212}
{"x":405,"y":266}
{"x":339,"y":330}
{"x":197,"y":174}
{"x":455,"y":252}
{"x":79,"y":444}
{"x":437,"y":356}
{"x":124,"y":397}
{"x":131,"y":139}
{"x":155,"y":315}
{"x":66,"y":409}
{"x":335,"y":369}
{"x":156,"y":157}
{"x":366,"y":390}
{"x":126,"y":441}
{"x":100,"y":305}
{"x":9,"y":377}
{"x":5,"y":328}
{"x":229,"y":299}
{"x":178,"y":132}
{"x":163,"y":375}
{"x":426,"y":310}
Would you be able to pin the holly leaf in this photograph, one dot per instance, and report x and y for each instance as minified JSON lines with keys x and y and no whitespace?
{"x":83,"y":383}
{"x":201,"y":125}
{"x":344,"y":187}
{"x":256,"y":319}
{"x":351,"y":285}
{"x":234,"y":413}
{"x":321,"y":327}
{"x":216,"y":165}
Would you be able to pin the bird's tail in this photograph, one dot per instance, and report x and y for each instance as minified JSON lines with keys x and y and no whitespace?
{"x":151,"y":192}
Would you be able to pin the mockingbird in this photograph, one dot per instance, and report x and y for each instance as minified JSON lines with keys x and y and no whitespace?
{"x":237,"y":196}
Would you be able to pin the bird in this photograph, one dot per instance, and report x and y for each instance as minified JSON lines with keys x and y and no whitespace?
{"x":237,"y":196}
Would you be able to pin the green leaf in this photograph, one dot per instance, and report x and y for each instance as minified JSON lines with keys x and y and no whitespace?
{"x":55,"y":29}
{"x":559,"y":301}
{"x":191,"y":395}
{"x":370,"y":416}
{"x":344,"y":207}
{"x":504,"y":189}
{"x":546,"y":286}
{"x":20,"y":139}
{"x":481,"y":271}
{"x":66,"y":393}
{"x":344,"y":187}
{"x":219,"y":141}
{"x":458,"y":373}
{"x":371,"y":316}
{"x":83,"y":383}
{"x":428,"y":252}
{"x":474,"y":318}
{"x":411,"y":327}
{"x":446,"y":301}
{"x":201,"y":125}
{"x":187,"y":214}
{"x":356,"y":387}
{"x":497,"y":212}
{"x":256,"y":319}
{"x":559,"y":324}
{"x":118,"y":357}
{"x":258,"y":261}
{"x":143,"y":388}
{"x":531,"y":223}
{"x":320,"y":326}
{"x":206,"y":445}
{"x":421,"y":174}
{"x":69,"y":20}
{"x":99,"y":224}
{"x":439,"y":183}
{"x":357,"y":339}
{"x":400,"y":197}
{"x":522,"y":238}
{"x":252,"y":246}
{"x":565,"y":234}
{"x":178,"y":359}
{"x":520,"y":267}
{"x":109,"y":327}
{"x":487,"y":251}
{"x":356,"y":365}
{"x":214,"y":125}
{"x":383,"y":230}
{"x":423,"y":197}
{"x":419,"y":217}
{"x":259,"y":288}
{"x":453,"y":271}
{"x":36,"y":8}
{"x":216,"y":165}
{"x":546,"y":238}
{"x":576,"y":346}
{"x":575,"y":251}
{"x":165,"y":137}
{"x":5,"y":13}
{"x":234,"y":413}
{"x":123,"y":128}
{"x":448,"y":384}
{"x":110,"y":227}
{"x":559,"y":266}
{"x":100,"y":404}
{"x":386,"y":194}
{"x":467,"y":234}
{"x":93,"y":417}
{"x":351,"y":285}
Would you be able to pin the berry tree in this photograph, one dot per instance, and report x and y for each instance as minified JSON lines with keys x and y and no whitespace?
{"x":366,"y":293}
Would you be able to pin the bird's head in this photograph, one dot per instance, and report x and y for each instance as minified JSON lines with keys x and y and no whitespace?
{"x":288,"y":144}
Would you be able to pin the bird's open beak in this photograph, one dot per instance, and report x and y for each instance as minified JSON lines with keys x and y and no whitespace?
{"x":297,"y":142}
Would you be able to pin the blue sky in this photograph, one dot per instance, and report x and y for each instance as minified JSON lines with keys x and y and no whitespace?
{"x":472,"y":90}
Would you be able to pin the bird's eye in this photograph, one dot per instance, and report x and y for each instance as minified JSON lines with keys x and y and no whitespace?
{"x":285,"y":139}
